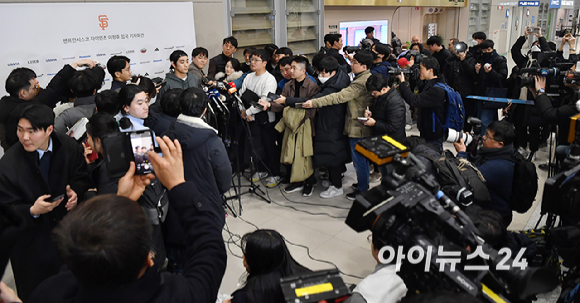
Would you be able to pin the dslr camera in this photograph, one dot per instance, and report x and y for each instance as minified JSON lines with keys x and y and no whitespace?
{"x":365,"y":44}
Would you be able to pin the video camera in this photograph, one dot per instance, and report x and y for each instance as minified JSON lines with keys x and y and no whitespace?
{"x":410,"y":211}
{"x":366,"y":44}
{"x":460,"y":47}
{"x":556,"y":73}
{"x":412,"y":73}
{"x":561,"y":196}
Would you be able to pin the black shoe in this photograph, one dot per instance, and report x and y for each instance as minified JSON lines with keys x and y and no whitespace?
{"x":307,"y":191}
{"x":353,"y":195}
{"x":294,"y":187}
{"x":286,"y":180}
{"x":354,"y":186}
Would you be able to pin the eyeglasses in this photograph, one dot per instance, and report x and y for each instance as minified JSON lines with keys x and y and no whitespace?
{"x":488,"y":137}
{"x":255,"y":60}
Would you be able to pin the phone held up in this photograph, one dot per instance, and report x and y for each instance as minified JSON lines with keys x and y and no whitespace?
{"x":121,"y":148}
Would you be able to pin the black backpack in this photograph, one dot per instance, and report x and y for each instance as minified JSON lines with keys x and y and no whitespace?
{"x":451,"y":171}
{"x":525,"y":184}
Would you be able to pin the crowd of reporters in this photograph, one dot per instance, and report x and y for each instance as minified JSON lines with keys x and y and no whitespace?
{"x":114,"y":249}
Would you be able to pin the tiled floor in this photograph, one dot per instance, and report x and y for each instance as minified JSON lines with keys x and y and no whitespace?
{"x":323,"y":232}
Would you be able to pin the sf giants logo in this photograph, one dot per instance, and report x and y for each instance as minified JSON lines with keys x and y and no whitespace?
{"x":104,"y":21}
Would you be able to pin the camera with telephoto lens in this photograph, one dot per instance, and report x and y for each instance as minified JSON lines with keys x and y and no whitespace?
{"x":410,"y":214}
{"x":412,"y":73}
{"x":366,"y":44}
{"x":451,"y":135}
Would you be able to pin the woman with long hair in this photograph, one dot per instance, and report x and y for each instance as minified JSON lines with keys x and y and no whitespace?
{"x":266,"y":259}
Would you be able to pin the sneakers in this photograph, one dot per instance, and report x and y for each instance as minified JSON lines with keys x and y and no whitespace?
{"x":353,"y":195}
{"x":294,"y":187}
{"x":376,"y":177}
{"x":273,"y":181}
{"x":331,"y":192}
{"x":354,"y":186}
{"x":259,"y":176}
{"x":307,"y":190}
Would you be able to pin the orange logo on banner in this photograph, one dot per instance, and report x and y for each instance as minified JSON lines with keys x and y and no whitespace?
{"x":103,"y":19}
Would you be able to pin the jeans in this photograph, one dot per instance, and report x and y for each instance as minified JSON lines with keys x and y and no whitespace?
{"x":361,"y":166}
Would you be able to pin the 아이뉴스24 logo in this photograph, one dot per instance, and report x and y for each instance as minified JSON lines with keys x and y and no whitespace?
{"x":104,"y":21}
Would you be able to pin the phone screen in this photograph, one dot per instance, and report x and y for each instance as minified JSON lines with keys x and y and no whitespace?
{"x":141,"y":143}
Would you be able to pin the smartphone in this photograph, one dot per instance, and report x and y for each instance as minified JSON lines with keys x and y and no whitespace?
{"x":121,"y":148}
{"x":54,"y":199}
{"x":141,"y":143}
{"x":273,"y":96}
{"x":159,"y":81}
{"x":535,"y":30}
{"x":298,"y":104}
{"x":362,"y":119}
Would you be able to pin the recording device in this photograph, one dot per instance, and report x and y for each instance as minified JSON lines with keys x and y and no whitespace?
{"x":362,"y":119}
{"x":413,"y":55}
{"x":273,"y":96}
{"x":409,"y":211}
{"x":54,"y":199}
{"x":460,"y":47}
{"x":451,"y":135}
{"x":534,"y":30}
{"x":159,"y":81}
{"x":412,"y":73}
{"x":314,"y":287}
{"x":121,"y":148}
{"x":366,"y":44}
{"x":547,"y":66}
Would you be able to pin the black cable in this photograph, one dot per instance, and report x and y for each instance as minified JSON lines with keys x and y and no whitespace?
{"x":307,"y":212}
{"x":307,"y":252}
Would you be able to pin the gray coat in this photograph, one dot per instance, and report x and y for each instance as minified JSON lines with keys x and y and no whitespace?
{"x":83,"y":108}
{"x":174,"y":82}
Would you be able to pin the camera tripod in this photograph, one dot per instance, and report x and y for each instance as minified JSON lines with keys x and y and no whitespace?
{"x":253,"y":188}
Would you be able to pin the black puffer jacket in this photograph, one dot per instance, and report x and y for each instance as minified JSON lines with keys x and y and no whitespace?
{"x":460,"y":75}
{"x":389,"y":112}
{"x":431,"y":104}
{"x":331,"y":147}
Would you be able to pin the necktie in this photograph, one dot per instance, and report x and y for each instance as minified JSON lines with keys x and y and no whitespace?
{"x":44,"y":165}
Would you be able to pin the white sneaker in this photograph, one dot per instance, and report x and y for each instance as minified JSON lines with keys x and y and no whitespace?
{"x":331,"y":192}
{"x":259,"y":176}
{"x":273,"y":181}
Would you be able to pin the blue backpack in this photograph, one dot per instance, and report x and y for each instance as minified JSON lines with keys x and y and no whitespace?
{"x":455,"y":112}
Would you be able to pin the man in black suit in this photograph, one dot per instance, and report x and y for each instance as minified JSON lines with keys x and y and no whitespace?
{"x":41,"y":178}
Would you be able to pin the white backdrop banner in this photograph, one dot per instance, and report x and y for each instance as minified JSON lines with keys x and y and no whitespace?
{"x":44,"y":37}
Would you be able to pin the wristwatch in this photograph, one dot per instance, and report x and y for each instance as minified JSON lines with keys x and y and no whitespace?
{"x":541,"y":91}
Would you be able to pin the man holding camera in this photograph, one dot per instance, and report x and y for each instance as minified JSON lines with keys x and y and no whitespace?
{"x":430,"y":102}
{"x":493,"y":161}
{"x":41,"y":178}
{"x":460,"y":74}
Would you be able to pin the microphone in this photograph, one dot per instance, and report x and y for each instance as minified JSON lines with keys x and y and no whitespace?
{"x":232,"y":88}
{"x":219,"y":100}
{"x":402,"y":62}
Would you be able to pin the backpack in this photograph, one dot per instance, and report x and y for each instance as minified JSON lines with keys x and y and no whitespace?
{"x":455,"y":112}
{"x":525,"y":184}
{"x":451,"y":172}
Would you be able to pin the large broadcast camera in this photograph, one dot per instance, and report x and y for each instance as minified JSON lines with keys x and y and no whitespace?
{"x":410,"y":212}
{"x":365,"y":44}
{"x":556,"y":73}
{"x":561,"y":195}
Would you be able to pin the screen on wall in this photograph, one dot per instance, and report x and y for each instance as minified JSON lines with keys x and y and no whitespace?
{"x":146,"y":32}
{"x":354,"y":32}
